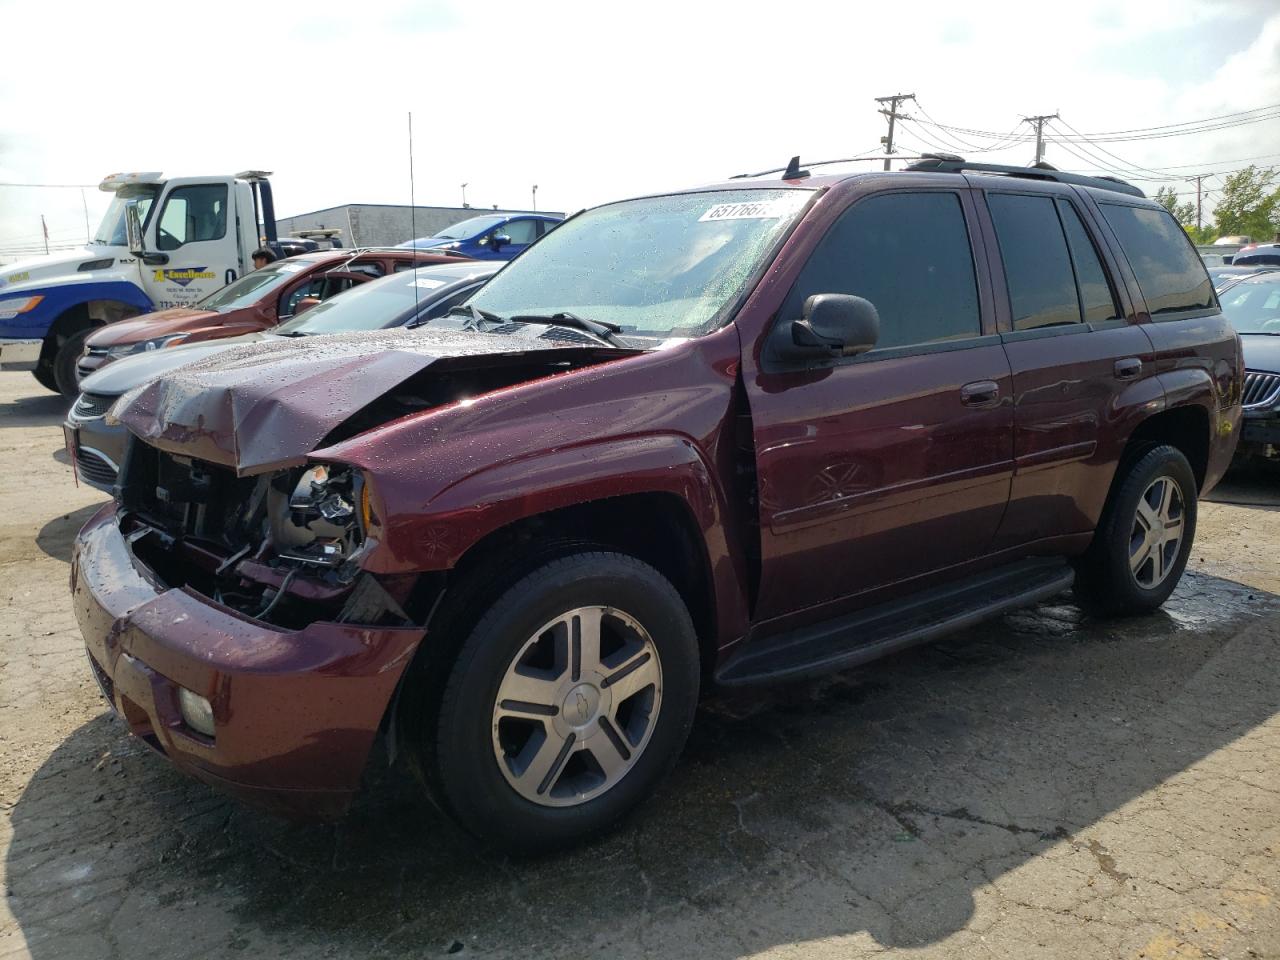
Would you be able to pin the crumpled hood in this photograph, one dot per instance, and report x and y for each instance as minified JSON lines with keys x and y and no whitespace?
{"x":267,"y":405}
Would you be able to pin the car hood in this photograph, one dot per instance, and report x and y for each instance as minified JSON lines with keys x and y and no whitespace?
{"x":1261,"y":351}
{"x":266,"y":405}
{"x":162,"y":323}
{"x":38,"y":271}
{"x":126,"y":373}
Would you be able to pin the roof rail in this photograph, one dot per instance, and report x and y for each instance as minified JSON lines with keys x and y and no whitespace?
{"x":950,"y":163}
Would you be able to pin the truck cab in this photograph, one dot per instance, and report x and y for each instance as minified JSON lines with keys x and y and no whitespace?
{"x":162,"y":243}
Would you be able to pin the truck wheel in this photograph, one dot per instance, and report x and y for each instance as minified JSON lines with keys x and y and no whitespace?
{"x":65,"y":360}
{"x":1141,"y":546}
{"x":44,"y":376}
{"x":569,"y":700}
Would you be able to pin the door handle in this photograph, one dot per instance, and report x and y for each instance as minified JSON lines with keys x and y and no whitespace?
{"x":980,"y":393}
{"x":1128,"y":368}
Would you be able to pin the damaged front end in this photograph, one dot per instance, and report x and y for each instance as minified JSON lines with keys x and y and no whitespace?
{"x":282,"y":547}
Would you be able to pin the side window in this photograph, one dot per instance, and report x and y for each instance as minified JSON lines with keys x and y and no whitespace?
{"x":1097,"y":302}
{"x":192,"y":214}
{"x":1037,"y":267}
{"x":520,"y":231}
{"x":289,"y":302}
{"x":1171,"y":275}
{"x":909,"y":254}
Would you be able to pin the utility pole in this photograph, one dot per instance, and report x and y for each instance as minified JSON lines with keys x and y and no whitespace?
{"x":535,"y":197}
{"x":1199,"y":178}
{"x":1039,"y":123}
{"x":464,"y":194}
{"x":44,"y":228}
{"x":892,"y":114}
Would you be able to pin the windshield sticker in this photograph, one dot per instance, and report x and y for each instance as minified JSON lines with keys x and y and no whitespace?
{"x":428,"y":284}
{"x":291,"y":267}
{"x":751,"y":210}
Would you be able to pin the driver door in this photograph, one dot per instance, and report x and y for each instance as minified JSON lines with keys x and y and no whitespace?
{"x":195,"y":230}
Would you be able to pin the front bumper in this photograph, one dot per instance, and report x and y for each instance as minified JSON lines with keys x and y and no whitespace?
{"x":1259,"y":436}
{"x":19,"y":354}
{"x":295,"y":712}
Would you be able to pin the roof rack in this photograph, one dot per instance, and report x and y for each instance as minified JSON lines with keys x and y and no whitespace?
{"x":950,"y":163}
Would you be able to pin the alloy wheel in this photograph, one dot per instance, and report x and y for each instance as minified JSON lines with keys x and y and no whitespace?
{"x":577,"y":706}
{"x":1157,"y":532}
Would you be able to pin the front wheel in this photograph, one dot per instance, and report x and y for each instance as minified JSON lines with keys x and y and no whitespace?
{"x":568,"y":702}
{"x":64,"y":362}
{"x":1141,"y":546}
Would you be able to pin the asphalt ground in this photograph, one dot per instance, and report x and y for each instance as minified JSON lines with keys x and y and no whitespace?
{"x":1045,"y":785}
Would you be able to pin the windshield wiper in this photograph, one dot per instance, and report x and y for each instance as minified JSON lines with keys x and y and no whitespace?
{"x":603,"y":329}
{"x":466,"y":310}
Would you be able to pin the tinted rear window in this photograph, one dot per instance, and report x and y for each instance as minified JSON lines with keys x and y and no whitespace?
{"x":908,"y":253}
{"x":1042,"y":286}
{"x":1171,"y":275}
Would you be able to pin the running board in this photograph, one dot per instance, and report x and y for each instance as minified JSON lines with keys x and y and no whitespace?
{"x":886,"y":628}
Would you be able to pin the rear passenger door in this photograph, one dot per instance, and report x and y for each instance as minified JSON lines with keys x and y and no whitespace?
{"x":1082,"y":366}
{"x":880,"y":467}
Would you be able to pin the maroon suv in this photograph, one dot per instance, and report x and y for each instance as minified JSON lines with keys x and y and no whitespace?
{"x":744,"y":433}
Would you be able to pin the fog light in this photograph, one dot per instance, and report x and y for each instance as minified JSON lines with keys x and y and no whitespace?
{"x":197,"y":712}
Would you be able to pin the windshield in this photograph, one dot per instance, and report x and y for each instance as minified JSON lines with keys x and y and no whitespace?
{"x":252,"y":287}
{"x":659,"y":267}
{"x":386,"y":302}
{"x":1253,"y":306}
{"x":112,"y":229}
{"x":467,"y":228}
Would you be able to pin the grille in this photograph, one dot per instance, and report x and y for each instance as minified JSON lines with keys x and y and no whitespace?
{"x":1260,"y":389}
{"x":567,"y":335}
{"x":94,"y":468}
{"x":93,"y":405}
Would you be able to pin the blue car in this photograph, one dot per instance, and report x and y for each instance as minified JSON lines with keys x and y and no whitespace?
{"x":493,"y":237}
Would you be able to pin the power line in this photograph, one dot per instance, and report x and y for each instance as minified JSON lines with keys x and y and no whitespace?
{"x":892,"y":114}
{"x":59,"y":186}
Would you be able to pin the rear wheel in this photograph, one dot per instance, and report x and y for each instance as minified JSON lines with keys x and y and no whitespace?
{"x":567,"y":703}
{"x":1141,"y":546}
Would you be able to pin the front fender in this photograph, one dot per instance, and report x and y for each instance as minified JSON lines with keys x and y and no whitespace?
{"x":462,"y":514}
{"x":58,"y":299}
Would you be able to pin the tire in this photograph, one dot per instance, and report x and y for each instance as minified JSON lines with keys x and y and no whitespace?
{"x":534,"y":783}
{"x":64,"y":362}
{"x":1127,"y":569}
{"x":44,"y":376}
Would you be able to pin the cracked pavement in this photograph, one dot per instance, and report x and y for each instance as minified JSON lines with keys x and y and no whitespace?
{"x":1044,"y":785}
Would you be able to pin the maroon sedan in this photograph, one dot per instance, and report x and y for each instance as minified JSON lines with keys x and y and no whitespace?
{"x":257,"y":301}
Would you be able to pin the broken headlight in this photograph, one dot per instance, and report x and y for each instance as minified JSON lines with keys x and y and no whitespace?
{"x":318,"y":519}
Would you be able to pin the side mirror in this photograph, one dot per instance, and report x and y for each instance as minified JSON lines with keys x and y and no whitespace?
{"x":133,"y":227}
{"x":833,"y":325}
{"x":133,"y":231}
{"x":500,"y":240}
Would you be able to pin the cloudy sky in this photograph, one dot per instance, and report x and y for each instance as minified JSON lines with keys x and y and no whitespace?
{"x":593,"y":101}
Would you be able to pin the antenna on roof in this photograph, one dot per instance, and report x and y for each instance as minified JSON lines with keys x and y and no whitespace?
{"x":793,"y":171}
